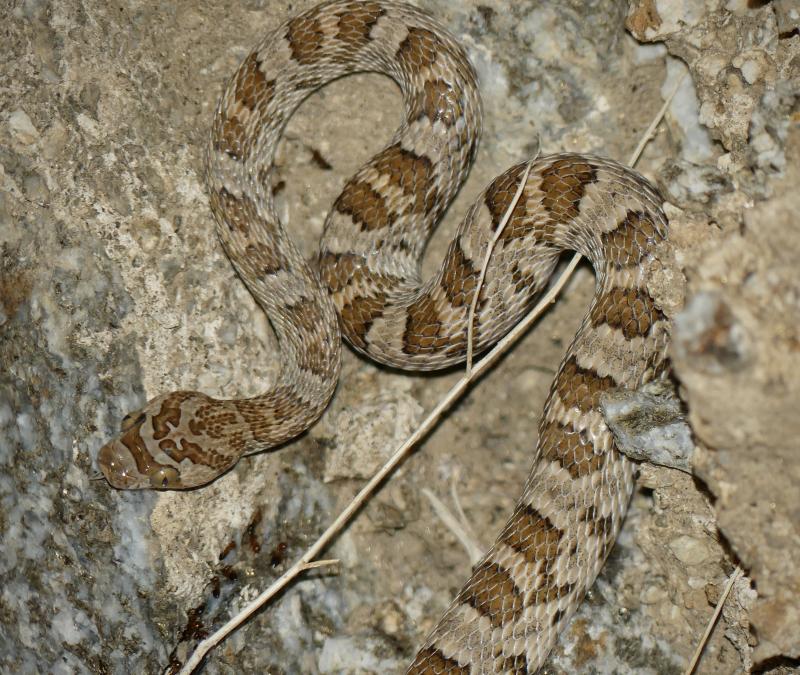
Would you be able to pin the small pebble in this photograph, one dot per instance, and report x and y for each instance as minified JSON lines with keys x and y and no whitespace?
{"x":688,"y":550}
{"x":21,"y":127}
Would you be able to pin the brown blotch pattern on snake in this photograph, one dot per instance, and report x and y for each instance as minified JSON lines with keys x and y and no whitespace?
{"x":493,"y":593}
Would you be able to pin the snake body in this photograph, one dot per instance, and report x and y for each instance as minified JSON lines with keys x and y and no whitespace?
{"x":521,"y":595}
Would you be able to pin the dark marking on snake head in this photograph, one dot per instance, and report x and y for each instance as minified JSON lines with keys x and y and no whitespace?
{"x":168,"y":417}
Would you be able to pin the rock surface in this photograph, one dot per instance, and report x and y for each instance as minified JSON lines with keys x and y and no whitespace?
{"x":113,"y":288}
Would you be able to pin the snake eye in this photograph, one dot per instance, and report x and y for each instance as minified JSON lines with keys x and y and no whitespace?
{"x":165,"y":477}
{"x":128,"y":421}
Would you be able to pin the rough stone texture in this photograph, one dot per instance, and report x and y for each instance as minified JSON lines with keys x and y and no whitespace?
{"x":737,"y":352}
{"x":113,"y":289}
{"x":649,"y":425}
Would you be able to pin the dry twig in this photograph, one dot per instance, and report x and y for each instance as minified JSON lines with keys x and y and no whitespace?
{"x":713,"y":621}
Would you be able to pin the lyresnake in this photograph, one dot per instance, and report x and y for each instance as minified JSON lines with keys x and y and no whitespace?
{"x":367,"y":287}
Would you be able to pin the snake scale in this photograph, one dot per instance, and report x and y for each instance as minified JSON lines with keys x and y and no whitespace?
{"x":524,"y":591}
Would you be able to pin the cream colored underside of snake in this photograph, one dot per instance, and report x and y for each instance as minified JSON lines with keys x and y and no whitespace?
{"x":520,"y":597}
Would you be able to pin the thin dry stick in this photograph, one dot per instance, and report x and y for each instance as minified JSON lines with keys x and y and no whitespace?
{"x":648,"y":134}
{"x":460,"y":528}
{"x":713,"y":621}
{"x":321,"y":563}
{"x":462,"y":517}
{"x":204,"y":646}
{"x":489,"y":250}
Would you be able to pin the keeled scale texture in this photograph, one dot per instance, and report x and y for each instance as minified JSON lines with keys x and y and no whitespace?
{"x":521,"y":595}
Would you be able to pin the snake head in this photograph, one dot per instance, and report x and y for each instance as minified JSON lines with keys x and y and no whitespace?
{"x":168,"y":444}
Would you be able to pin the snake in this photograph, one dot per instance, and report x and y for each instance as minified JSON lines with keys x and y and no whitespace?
{"x":366,"y":286}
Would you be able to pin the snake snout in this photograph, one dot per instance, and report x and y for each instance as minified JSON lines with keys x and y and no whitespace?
{"x":119,"y":467}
